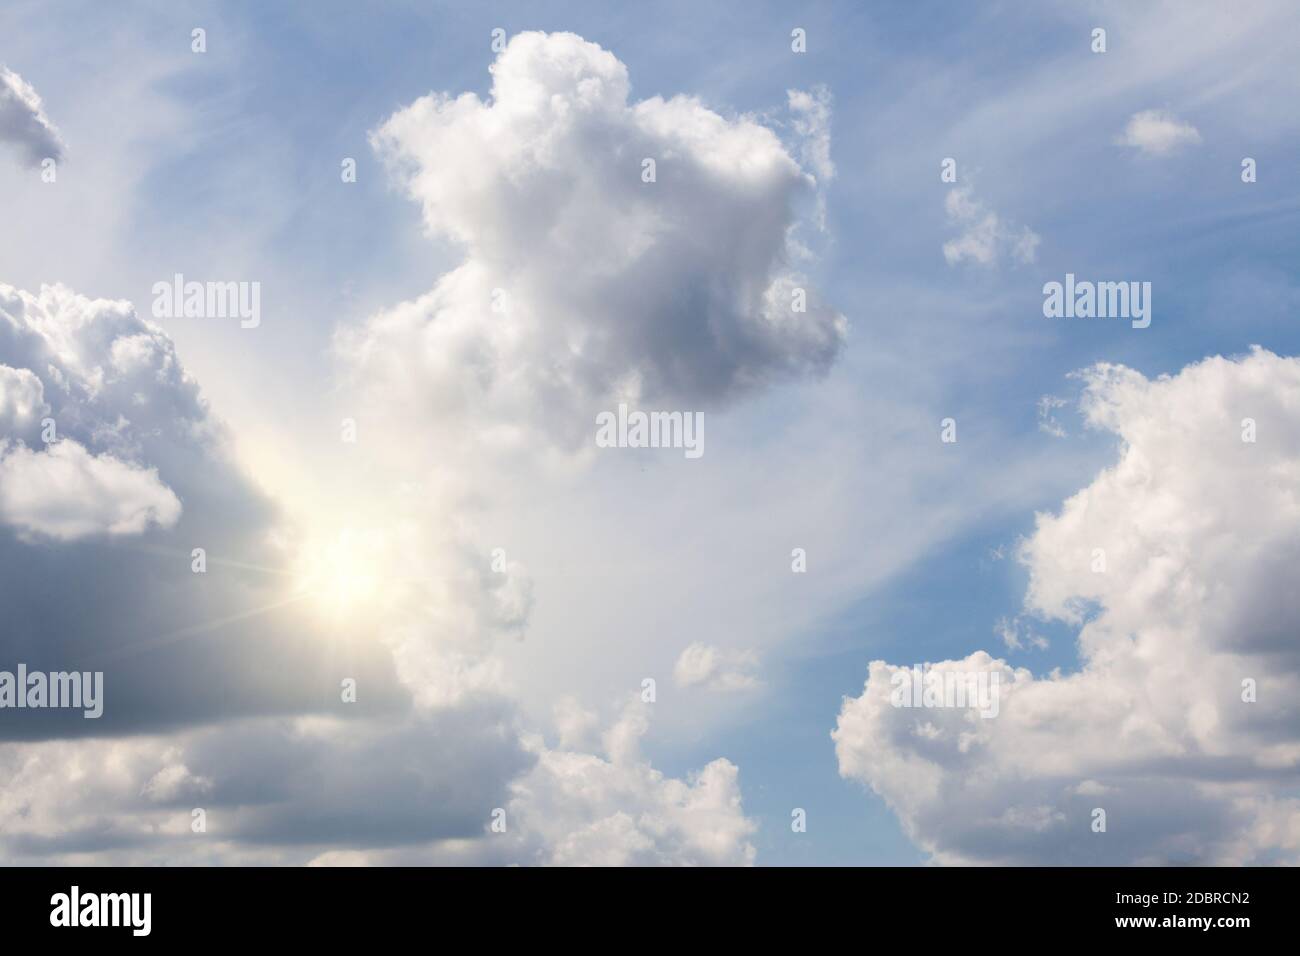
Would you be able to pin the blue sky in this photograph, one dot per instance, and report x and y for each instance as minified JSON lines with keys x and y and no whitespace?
{"x":226,"y":164}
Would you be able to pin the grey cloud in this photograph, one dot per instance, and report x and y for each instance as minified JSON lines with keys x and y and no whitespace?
{"x":175,"y":647}
{"x":23,"y":122}
{"x":271,"y":788}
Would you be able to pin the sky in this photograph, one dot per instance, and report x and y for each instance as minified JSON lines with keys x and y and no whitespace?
{"x":363,"y":582}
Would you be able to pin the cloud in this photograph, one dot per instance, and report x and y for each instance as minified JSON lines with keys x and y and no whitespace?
{"x":811,"y":118}
{"x":985,"y":237}
{"x":237,"y":707}
{"x":582,"y":284}
{"x":1197,"y":532}
{"x":1047,"y":422}
{"x":1157,"y":133}
{"x":273,"y":790}
{"x":22,"y":398}
{"x":228,"y":682}
{"x":23,"y":121}
{"x":703,"y":666}
{"x":67,"y":493}
{"x":617,"y":810}
{"x":295,"y":791}
{"x":811,"y":112}
{"x":140,"y":475}
{"x":1017,"y":635}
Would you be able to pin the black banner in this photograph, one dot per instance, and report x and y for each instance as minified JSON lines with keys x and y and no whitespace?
{"x":333,"y":905}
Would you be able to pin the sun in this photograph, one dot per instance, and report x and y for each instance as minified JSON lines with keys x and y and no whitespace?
{"x":339,"y":575}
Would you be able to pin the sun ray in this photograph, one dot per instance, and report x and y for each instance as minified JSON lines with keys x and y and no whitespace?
{"x":194,"y":630}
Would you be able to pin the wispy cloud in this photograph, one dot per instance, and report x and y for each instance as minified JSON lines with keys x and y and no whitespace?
{"x":985,"y":237}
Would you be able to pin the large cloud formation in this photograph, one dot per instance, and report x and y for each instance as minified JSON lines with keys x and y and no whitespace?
{"x":582,"y":282}
{"x":231,"y":689}
{"x":227,"y":682}
{"x":23,"y":122}
{"x":1176,"y":563}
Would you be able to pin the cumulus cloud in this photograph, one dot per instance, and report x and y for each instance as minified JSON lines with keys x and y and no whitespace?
{"x":248,"y":721}
{"x":244,"y":721}
{"x":1174,"y":563}
{"x":65,"y":492}
{"x":272,"y":790}
{"x":701,"y":665}
{"x":985,"y":237}
{"x":583,"y":284}
{"x":305,"y":790}
{"x":23,"y":122}
{"x":617,"y":810}
{"x":22,"y":399}
{"x":1158,"y":132}
{"x":140,"y":474}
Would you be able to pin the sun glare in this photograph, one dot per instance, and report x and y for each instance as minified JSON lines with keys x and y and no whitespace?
{"x":340,"y":576}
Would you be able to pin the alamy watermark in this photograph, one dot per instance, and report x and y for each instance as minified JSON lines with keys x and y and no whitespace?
{"x":179,"y":299}
{"x":57,"y":689}
{"x":75,"y":908}
{"x":930,"y":687}
{"x":638,"y":429}
{"x":1098,"y":300}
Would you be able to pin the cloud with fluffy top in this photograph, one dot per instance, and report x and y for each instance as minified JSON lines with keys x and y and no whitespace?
{"x":23,"y":122}
{"x":583,"y":282}
{"x":617,"y":810}
{"x":279,"y":791}
{"x":1158,"y":133}
{"x":139,"y":474}
{"x":433,"y":738}
{"x":1183,"y":721}
{"x":66,"y":493}
{"x":610,"y":286}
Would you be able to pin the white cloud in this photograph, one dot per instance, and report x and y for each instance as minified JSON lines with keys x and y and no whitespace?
{"x":174,"y":781}
{"x":66,"y":359}
{"x":576,"y":724}
{"x":541,"y":186}
{"x":619,"y":811}
{"x":66,"y":493}
{"x":439,"y":752}
{"x":1047,"y":422}
{"x":605,"y":287}
{"x":985,"y":236}
{"x":716,"y":669}
{"x":1200,"y":532}
{"x":23,"y":121}
{"x":22,"y":398}
{"x":1158,"y":132}
{"x":811,"y":110}
{"x":1017,"y":635}
{"x":280,"y":791}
